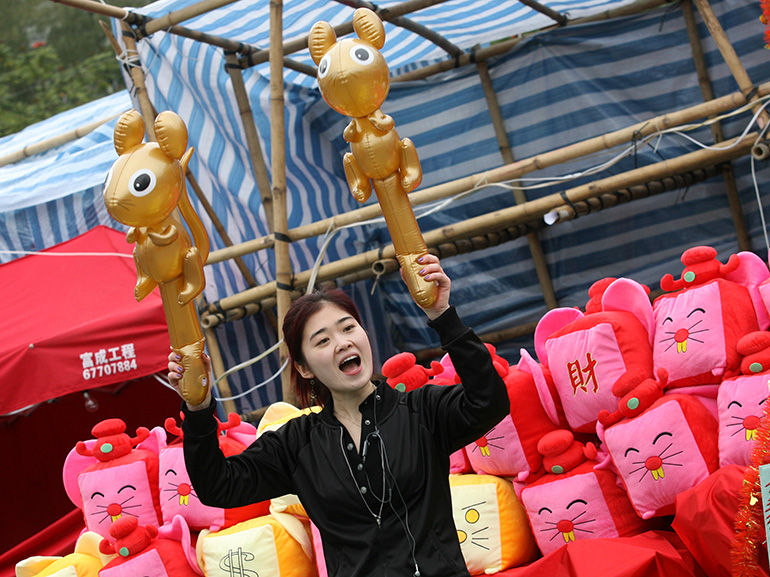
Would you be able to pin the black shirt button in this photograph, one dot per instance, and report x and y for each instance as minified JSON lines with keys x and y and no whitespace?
{"x":351,"y":446}
{"x":367,"y":422}
{"x":363,"y":490}
{"x":360,"y":466}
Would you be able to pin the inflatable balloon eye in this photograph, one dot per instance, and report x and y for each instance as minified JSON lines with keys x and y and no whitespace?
{"x":142,"y":190}
{"x":354,"y":80}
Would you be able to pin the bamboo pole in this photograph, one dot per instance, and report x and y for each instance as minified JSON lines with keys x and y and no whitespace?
{"x":300,"y":43}
{"x":508,"y":172}
{"x":588,"y":206}
{"x":463,"y":60}
{"x":142,"y":22}
{"x":218,"y":366}
{"x":535,"y":248}
{"x":505,"y":46}
{"x":258,"y":166}
{"x":137,"y":77}
{"x":410,"y":25}
{"x":53,"y":142}
{"x":560,"y":19}
{"x":506,"y":217}
{"x":149,"y":112}
{"x":183,"y":14}
{"x":283,"y":271}
{"x":736,"y":209}
{"x":730,"y":56}
{"x":491,"y":338}
{"x":480,"y":242}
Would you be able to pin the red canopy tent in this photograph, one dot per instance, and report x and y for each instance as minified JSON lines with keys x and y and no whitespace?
{"x":71,"y":322}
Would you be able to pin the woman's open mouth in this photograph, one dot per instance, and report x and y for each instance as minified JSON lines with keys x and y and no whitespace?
{"x":351,"y":364}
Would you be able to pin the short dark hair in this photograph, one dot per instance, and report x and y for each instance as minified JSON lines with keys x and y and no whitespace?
{"x":293,"y":328}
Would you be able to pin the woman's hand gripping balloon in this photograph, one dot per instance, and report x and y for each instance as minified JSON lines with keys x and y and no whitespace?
{"x":175,"y":372}
{"x":432,"y":271}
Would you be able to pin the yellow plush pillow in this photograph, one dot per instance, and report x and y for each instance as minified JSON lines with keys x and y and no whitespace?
{"x":86,"y":561}
{"x":491,"y":524}
{"x":262,"y":546}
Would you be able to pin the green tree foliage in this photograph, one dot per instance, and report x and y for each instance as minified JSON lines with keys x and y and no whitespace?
{"x":35,"y":84}
{"x":52,"y":58}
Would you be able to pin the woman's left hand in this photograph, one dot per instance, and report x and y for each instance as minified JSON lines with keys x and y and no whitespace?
{"x":432,"y":272}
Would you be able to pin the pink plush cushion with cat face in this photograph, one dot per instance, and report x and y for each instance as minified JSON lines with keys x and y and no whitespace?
{"x":697,"y":329}
{"x":121,"y":487}
{"x":499,"y":452}
{"x":583,"y":504}
{"x":510,"y":448}
{"x":586,"y":358}
{"x":668,"y":449}
{"x":741,"y":406}
{"x":178,"y":497}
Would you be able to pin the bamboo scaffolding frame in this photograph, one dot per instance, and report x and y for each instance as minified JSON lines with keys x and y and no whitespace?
{"x":535,"y":248}
{"x":491,"y":338}
{"x":562,"y":213}
{"x":142,"y":22}
{"x":297,"y":44}
{"x":507,"y":172}
{"x":410,"y":25}
{"x":258,"y":166}
{"x":730,"y":56}
{"x":149,"y":112}
{"x":560,"y":19}
{"x":523,"y":217}
{"x":183,"y":14}
{"x":283,"y":269}
{"x":503,"y":47}
{"x":54,"y":142}
{"x":736,"y":210}
{"x":506,"y":217}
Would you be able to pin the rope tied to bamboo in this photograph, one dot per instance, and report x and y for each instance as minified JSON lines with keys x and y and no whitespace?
{"x":129,"y":58}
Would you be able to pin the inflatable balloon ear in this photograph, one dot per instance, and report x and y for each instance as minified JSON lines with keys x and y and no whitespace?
{"x":354,"y":80}
{"x":143,"y":189}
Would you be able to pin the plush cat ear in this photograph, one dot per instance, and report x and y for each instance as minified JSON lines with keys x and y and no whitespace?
{"x":178,"y":530}
{"x":320,"y":40}
{"x":751,"y":273}
{"x":245,"y":433}
{"x":627,"y":295}
{"x":73,"y":465}
{"x":155,"y":442}
{"x":528,"y":365}
{"x":551,"y":322}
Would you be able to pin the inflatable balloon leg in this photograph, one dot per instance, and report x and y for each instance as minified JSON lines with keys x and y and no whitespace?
{"x":354,"y":80}
{"x":143,"y":188}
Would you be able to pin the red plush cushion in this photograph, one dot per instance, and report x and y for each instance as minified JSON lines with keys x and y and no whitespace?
{"x":713,"y":503}
{"x":651,"y":554}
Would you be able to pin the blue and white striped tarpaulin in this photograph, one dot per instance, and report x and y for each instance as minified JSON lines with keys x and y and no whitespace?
{"x":555,"y":88}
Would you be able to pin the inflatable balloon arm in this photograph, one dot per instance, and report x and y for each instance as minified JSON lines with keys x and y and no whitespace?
{"x":354,"y":80}
{"x":143,"y":189}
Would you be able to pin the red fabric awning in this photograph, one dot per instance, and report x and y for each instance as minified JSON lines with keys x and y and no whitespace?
{"x":71,"y":322}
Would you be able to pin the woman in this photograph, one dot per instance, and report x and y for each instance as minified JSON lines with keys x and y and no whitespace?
{"x":372,"y":468}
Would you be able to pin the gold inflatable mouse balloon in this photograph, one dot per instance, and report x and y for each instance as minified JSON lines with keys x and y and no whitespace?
{"x":143,"y":188}
{"x":354,"y":80}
